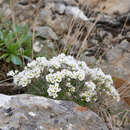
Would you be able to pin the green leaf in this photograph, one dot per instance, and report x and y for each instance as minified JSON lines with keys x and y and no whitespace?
{"x":1,"y":35}
{"x":1,"y":44}
{"x":8,"y":59}
{"x":3,"y":56}
{"x":12,"y":48}
{"x":10,"y":36}
{"x":27,"y":52}
{"x":27,"y":58}
{"x":16,"y":60}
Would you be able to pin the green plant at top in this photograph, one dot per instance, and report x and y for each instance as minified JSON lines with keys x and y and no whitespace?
{"x":15,"y":44}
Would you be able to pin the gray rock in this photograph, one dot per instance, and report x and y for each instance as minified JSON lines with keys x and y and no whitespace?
{"x":37,"y":46}
{"x":23,"y":2}
{"x":44,"y":16}
{"x":127,"y":127}
{"x":67,"y":2}
{"x":76,"y":12}
{"x":114,"y":69}
{"x":36,"y":113}
{"x":117,"y":61}
{"x":111,"y":6}
{"x":46,"y":32}
{"x":63,"y":42}
{"x":125,"y":45}
{"x":128,"y":34}
{"x":60,"y":8}
{"x":6,"y":10}
{"x":113,"y":54}
{"x":90,"y":60}
{"x":1,"y":1}
{"x":50,"y":44}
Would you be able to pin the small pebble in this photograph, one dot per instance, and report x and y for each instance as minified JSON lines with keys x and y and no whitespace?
{"x":56,"y":121}
{"x":32,"y":114}
{"x":8,"y":112}
{"x":12,"y":128}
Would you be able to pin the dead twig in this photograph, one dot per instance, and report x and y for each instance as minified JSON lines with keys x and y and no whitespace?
{"x":34,"y":24}
{"x":6,"y":84}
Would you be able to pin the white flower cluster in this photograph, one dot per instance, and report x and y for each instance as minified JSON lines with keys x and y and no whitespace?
{"x":104,"y":82}
{"x":53,"y":90}
{"x":12,"y":73}
{"x":64,"y":72}
{"x":90,"y":93}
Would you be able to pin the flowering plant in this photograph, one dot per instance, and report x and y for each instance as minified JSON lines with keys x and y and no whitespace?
{"x":67,"y":78}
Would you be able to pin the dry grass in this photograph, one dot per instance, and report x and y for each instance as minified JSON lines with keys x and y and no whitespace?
{"x":75,"y":36}
{"x":119,"y":120}
{"x":77,"y":33}
{"x":121,"y":117}
{"x":124,"y":91}
{"x":34,"y":24}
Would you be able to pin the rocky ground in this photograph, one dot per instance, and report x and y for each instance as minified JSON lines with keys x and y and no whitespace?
{"x":105,"y":23}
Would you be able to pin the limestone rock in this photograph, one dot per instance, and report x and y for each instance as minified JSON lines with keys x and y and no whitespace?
{"x":45,"y":16}
{"x":76,"y":12}
{"x":27,"y":112}
{"x":46,"y":32}
{"x":125,"y":45}
{"x":113,"y":54}
{"x":6,"y":10}
{"x":1,"y":1}
{"x":109,"y":6}
{"x":117,"y":61}
{"x":37,"y":47}
{"x":60,"y":8}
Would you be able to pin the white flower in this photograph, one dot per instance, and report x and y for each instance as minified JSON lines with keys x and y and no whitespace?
{"x":58,"y":77}
{"x":97,"y":74}
{"x":24,"y":82}
{"x":86,"y":96}
{"x":32,"y":64}
{"x":109,"y":78}
{"x":68,"y":84}
{"x":42,"y":61}
{"x":55,"y":95}
{"x":90,"y":93}
{"x":51,"y":70}
{"x":80,"y":75}
{"x":72,"y":89}
{"x":83,"y":66}
{"x":36,"y":72}
{"x":90,"y":85}
{"x":113,"y":92}
{"x":50,"y":78}
{"x":51,"y":93}
{"x":53,"y":90}
{"x":16,"y":71}
{"x":11,"y":73}
{"x":54,"y":63}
